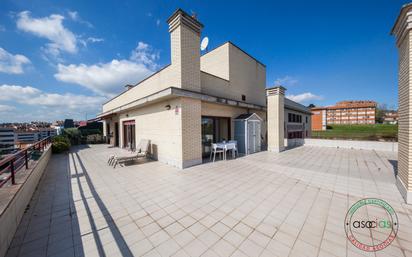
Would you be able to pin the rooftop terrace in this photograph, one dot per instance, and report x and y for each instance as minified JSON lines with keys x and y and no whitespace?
{"x":288,"y":204}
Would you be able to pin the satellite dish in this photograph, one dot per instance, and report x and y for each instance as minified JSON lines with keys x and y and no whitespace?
{"x":204,"y":43}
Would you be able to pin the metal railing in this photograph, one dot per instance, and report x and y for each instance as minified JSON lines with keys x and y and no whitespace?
{"x":14,"y":163}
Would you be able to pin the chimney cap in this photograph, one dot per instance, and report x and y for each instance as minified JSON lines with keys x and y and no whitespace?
{"x":128,"y":86}
{"x":277,"y":86}
{"x":184,"y":14}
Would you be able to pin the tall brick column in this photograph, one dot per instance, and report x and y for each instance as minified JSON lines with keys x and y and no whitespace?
{"x":185,"y":50}
{"x":276,"y":112}
{"x":402,"y":32}
{"x":185,"y":73}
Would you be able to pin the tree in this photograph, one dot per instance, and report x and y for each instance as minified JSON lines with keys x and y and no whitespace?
{"x":380,"y":113}
{"x":311,"y":106}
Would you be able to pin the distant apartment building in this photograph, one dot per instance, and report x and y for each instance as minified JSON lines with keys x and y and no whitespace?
{"x":7,"y":139}
{"x":297,"y":120}
{"x":27,"y":137}
{"x":344,"y":112}
{"x":391,"y":117}
{"x":24,"y":137}
{"x":47,"y":132}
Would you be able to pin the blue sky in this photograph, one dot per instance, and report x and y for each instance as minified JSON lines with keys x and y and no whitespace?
{"x":62,"y":59}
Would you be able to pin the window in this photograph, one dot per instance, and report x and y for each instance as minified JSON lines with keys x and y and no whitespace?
{"x":292,"y":117}
{"x":306,"y":122}
{"x":243,"y":98}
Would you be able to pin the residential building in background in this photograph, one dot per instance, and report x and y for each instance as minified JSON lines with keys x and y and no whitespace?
{"x":344,"y":112}
{"x":68,"y":123}
{"x":7,"y":139}
{"x":26,"y":137}
{"x":391,"y":117}
{"x":47,"y":132}
{"x":297,"y":121}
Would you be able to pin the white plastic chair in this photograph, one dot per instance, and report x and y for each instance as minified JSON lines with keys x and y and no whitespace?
{"x":215,"y":150}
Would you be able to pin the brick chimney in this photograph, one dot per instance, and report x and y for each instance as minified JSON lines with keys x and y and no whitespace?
{"x":185,"y":50}
{"x":402,"y":30}
{"x":276,"y":112}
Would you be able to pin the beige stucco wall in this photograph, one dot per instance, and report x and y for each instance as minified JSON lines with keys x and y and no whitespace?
{"x":161,"y":126}
{"x":156,"y":83}
{"x":246,"y":75}
{"x":216,"y":62}
{"x":214,"y":86}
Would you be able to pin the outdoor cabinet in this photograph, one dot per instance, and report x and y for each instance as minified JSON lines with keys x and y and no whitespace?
{"x":248,"y":133}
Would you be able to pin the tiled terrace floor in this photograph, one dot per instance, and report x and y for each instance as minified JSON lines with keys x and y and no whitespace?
{"x":266,"y":204}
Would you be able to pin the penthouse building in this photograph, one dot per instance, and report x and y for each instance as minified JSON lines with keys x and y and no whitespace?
{"x":344,"y":112}
{"x":199,"y":100}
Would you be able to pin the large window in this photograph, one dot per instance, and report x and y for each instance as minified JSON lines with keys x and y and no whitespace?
{"x":292,"y":117}
{"x":214,"y":129}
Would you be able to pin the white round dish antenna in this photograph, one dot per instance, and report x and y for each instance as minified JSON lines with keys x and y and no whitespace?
{"x":204,"y":43}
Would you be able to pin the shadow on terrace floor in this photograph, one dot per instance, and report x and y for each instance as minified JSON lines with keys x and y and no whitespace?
{"x":66,"y":216}
{"x":78,"y":171}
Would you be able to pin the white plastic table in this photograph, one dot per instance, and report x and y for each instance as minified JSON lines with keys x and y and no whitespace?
{"x":227,"y":146}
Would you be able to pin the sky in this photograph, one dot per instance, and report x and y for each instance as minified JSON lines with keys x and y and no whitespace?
{"x":63,"y":59}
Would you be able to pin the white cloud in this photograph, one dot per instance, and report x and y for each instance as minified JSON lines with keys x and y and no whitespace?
{"x":158,"y":22}
{"x":51,"y":28}
{"x":76,"y":17}
{"x":13,"y":92}
{"x":2,"y":28}
{"x":109,"y":78}
{"x":10,"y":63}
{"x":6,"y":108}
{"x":286,"y":81}
{"x":94,"y":39}
{"x":144,"y":53}
{"x":84,"y":42}
{"x":28,"y":95}
{"x":304,"y":97}
{"x":73,"y":15}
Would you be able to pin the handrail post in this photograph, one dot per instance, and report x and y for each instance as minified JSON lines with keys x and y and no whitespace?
{"x":26,"y":159}
{"x":13,"y":180}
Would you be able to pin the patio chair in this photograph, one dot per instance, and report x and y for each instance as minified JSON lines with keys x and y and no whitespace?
{"x":215,"y":150}
{"x":142,"y":150}
{"x":112,"y":157}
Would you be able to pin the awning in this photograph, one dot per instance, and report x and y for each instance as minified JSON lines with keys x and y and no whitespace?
{"x":104,"y":117}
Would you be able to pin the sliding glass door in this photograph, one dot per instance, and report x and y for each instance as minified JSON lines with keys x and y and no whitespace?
{"x":214,"y":129}
{"x":129,"y":134}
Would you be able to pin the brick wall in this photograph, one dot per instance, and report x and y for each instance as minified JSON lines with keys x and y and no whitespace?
{"x":404,"y":95}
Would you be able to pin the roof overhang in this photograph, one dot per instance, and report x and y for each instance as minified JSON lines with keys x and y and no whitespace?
{"x":173,"y":92}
